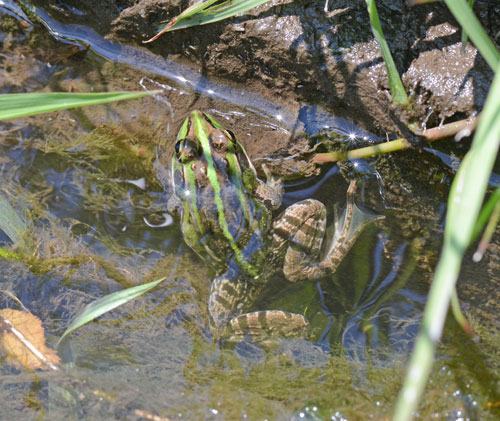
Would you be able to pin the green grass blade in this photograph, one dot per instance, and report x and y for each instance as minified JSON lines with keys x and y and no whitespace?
{"x":105,"y":304}
{"x":485,"y":214}
{"x":488,"y":233}
{"x":398,"y":92}
{"x":21,"y":105}
{"x":211,"y":14}
{"x":464,"y":204}
{"x":10,"y":222}
{"x":465,"y":37}
{"x":470,"y":24}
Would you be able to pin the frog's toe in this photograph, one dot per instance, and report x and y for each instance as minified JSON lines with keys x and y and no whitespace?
{"x":262,"y":325}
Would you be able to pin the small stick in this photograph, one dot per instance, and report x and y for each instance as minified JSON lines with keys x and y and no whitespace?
{"x":7,"y":324}
{"x":397,"y":144}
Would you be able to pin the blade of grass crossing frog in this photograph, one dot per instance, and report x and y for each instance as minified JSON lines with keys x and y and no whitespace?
{"x":105,"y":304}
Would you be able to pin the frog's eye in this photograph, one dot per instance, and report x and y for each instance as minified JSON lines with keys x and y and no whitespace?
{"x":186,"y":150}
{"x":178,"y":147}
{"x":233,"y":137}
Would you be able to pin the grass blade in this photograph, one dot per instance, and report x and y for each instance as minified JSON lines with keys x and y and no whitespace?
{"x":219,"y":12}
{"x":464,"y":204}
{"x":203,"y":12}
{"x":21,"y":105}
{"x":486,"y":212}
{"x":10,"y":222}
{"x":470,"y":24}
{"x":465,"y":37}
{"x":105,"y":304}
{"x":398,"y":92}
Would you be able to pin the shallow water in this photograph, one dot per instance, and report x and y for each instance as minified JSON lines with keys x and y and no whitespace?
{"x":68,"y":174}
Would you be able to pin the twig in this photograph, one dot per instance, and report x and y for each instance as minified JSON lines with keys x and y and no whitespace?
{"x":7,"y":325}
{"x":398,"y":144}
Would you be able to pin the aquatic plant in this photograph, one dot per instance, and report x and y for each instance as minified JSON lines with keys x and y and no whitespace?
{"x":15,"y":226}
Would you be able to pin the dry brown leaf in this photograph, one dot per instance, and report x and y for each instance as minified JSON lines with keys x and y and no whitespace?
{"x":22,"y":339}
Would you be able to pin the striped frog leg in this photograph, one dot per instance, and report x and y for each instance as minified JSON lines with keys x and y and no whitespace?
{"x":298,"y":232}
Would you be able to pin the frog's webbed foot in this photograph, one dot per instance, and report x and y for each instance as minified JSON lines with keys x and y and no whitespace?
{"x":260,"y":326}
{"x":347,"y":230}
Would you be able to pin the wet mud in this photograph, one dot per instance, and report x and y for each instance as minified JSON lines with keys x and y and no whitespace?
{"x":295,"y":51}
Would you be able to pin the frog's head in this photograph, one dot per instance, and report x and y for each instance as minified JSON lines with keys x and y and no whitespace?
{"x":215,"y":180}
{"x":208,"y":153}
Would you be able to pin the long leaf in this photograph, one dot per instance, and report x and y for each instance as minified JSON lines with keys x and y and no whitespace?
{"x":107,"y":303}
{"x":465,"y":37}
{"x":10,"y":222}
{"x":202,"y":13}
{"x":21,"y":105}
{"x":398,"y":92}
{"x":486,"y":212}
{"x":464,"y":204}
{"x":469,"y":22}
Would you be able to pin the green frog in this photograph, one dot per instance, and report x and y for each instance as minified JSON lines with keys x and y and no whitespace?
{"x":226,"y":215}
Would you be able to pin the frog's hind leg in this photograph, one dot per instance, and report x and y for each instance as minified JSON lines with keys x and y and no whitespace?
{"x":229,"y":297}
{"x":300,"y":230}
{"x":259,"y":326}
{"x":304,"y":223}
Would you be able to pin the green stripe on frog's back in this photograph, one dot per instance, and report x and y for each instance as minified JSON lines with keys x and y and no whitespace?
{"x":192,"y":225}
{"x":214,"y":181}
{"x":195,"y":231}
{"x":236,"y":177}
{"x":235,"y":167}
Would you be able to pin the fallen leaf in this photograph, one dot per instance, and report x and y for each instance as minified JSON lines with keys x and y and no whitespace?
{"x":22,"y":339}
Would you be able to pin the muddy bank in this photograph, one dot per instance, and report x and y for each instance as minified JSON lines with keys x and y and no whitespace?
{"x":294,"y":51}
